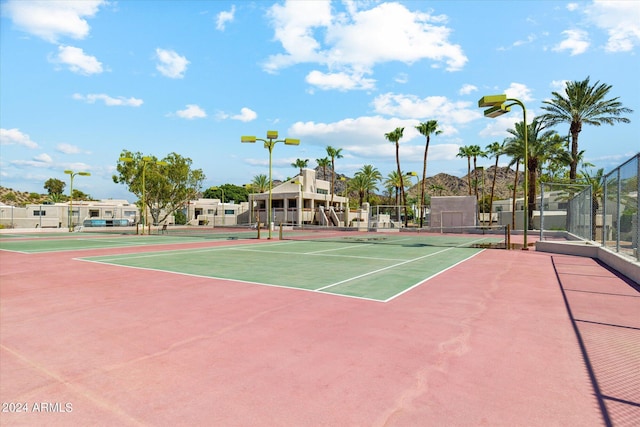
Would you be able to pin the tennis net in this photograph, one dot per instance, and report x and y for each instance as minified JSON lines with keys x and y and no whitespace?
{"x":489,"y":237}
{"x":201,"y":232}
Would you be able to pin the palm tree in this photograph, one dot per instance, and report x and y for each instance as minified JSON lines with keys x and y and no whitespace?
{"x":324,"y":163}
{"x":393,"y":184}
{"x":395,"y":137}
{"x":581,"y":104}
{"x":495,"y":149}
{"x":475,"y":151}
{"x":542,"y":146}
{"x":368,"y":176}
{"x":436,"y":187}
{"x":301,"y":164}
{"x":514,"y":148}
{"x":426,"y":129}
{"x":333,"y":153}
{"x":260,"y":183}
{"x":466,"y":152}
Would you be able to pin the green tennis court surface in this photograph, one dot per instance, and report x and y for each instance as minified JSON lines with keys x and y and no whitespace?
{"x":52,"y":242}
{"x":372,"y":271}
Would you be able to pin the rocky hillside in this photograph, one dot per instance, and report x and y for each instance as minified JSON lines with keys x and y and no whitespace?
{"x":12,"y":197}
{"x":443,"y":184}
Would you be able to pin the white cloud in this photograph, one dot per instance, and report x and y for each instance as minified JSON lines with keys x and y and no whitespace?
{"x":171,"y":64}
{"x":340,"y":81}
{"x":108,"y":100}
{"x":77,"y":60}
{"x":224,"y":17}
{"x":448,"y":113}
{"x":354,"y":42}
{"x":191,"y":112}
{"x":402,"y":78}
{"x":467,"y":89}
{"x":40,"y":161}
{"x":577,"y":42}
{"x":14,"y":136}
{"x":51,"y":20}
{"x":519,"y":91}
{"x":621,"y":21}
{"x":246,"y":115}
{"x":70,"y":149}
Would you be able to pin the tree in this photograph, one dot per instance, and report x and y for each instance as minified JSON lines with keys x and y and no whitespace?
{"x":580,"y":104}
{"x":426,"y":129}
{"x":360,"y":185}
{"x":54,"y":186}
{"x":367,"y":177}
{"x":166,"y":188}
{"x":542,"y":146}
{"x":466,"y":152}
{"x":333,"y":153}
{"x":475,"y":151}
{"x":495,"y":149}
{"x":392,"y":184}
{"x":436,"y":188}
{"x":300,"y":164}
{"x":231,"y":192}
{"x":260,"y":183}
{"x":324,"y":163}
{"x":395,"y":137}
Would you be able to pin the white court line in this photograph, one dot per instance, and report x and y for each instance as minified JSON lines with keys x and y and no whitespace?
{"x":398,"y":264}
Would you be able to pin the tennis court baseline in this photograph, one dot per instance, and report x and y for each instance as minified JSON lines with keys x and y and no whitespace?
{"x":377,"y":272}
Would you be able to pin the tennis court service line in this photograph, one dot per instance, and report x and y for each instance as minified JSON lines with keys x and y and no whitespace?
{"x":383,"y":269}
{"x":394,"y":266}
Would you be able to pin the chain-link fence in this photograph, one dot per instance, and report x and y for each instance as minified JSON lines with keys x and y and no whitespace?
{"x":621,"y":208}
{"x":566,"y":210}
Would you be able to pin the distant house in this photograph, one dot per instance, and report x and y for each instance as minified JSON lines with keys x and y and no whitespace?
{"x":304,"y":199}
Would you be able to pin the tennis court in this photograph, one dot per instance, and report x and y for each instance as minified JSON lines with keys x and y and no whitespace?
{"x":372,"y":271}
{"x":55,"y":242}
{"x":172,"y":342}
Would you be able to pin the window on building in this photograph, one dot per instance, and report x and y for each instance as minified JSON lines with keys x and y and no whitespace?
{"x":39,"y":213}
{"x":322,"y":191}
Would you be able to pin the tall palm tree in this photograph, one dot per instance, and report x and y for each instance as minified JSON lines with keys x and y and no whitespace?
{"x":333,"y":153}
{"x":426,"y":129}
{"x":475,"y":151}
{"x":466,"y":151}
{"x":495,"y":149}
{"x":368,"y":176}
{"x":580,"y":104}
{"x":542,"y":145}
{"x":514,"y":148}
{"x":324,"y":163}
{"x":395,"y":137}
{"x":301,"y":164}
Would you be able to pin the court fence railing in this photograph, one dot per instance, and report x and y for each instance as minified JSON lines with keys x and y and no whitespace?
{"x":621,"y":209}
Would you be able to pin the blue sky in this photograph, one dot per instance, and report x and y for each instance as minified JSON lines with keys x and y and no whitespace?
{"x":82,"y":80}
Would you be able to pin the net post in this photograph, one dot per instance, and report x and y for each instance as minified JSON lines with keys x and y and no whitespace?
{"x":280,"y":232}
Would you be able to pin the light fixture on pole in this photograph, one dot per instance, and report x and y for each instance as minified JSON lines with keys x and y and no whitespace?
{"x":223,"y":211}
{"x":145,"y":161}
{"x":269,"y":143}
{"x":72,"y":174}
{"x":499,"y":105}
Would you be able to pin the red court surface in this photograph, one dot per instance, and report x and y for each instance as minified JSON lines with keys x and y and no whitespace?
{"x":507,"y":338}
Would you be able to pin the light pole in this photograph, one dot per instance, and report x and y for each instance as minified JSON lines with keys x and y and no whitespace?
{"x":269,"y":143}
{"x":145,"y":160}
{"x":499,"y":105}
{"x":223,"y":212}
{"x":72,"y":174}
